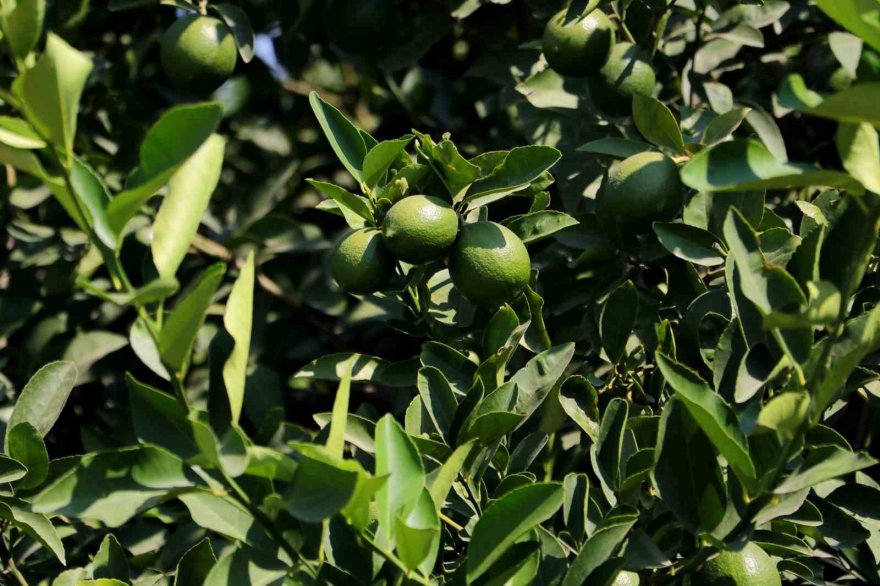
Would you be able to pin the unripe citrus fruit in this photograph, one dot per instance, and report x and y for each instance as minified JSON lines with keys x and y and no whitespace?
{"x":581,"y":47}
{"x":420,"y":228}
{"x":198,"y":53}
{"x":748,"y":567}
{"x":641,"y":189}
{"x":625,"y":578}
{"x":489,"y":264}
{"x":626,"y":73}
{"x":360,"y":263}
{"x":359,"y":26}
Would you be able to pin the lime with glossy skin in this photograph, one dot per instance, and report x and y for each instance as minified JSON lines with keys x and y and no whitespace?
{"x":420,"y":228}
{"x":626,"y":73}
{"x":579,"y":48}
{"x":198,"y":53}
{"x":642,"y":189}
{"x":359,"y":26}
{"x":750,"y":566}
{"x":489,"y":264}
{"x":360,"y":263}
{"x":625,"y":578}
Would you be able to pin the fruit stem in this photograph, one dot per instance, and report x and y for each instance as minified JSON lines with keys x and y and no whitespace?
{"x":203,"y":7}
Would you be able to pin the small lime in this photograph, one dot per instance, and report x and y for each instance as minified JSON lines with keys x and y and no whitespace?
{"x":579,"y":48}
{"x":198,"y":53}
{"x":641,"y":189}
{"x":489,"y":264}
{"x":360,"y":263}
{"x":626,"y":73}
{"x":420,"y":228}
{"x":750,"y":566}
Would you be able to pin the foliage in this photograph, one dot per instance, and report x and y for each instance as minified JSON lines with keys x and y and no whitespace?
{"x":190,"y":398}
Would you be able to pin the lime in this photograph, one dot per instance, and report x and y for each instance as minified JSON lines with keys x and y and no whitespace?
{"x":420,"y":228}
{"x":360,"y":262}
{"x":748,"y":567}
{"x":641,"y":189}
{"x":579,"y":48}
{"x":359,"y":26}
{"x":625,"y":578}
{"x":198,"y":53}
{"x":626,"y":73}
{"x":489,"y":264}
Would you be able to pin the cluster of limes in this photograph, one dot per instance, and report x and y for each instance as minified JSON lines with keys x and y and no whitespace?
{"x":488,"y":263}
{"x":198,"y":53}
{"x":584,"y":47}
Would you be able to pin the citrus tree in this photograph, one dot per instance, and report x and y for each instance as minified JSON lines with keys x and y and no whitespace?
{"x":465,"y":292}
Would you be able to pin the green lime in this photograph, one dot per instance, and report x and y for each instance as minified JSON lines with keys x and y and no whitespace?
{"x":489,"y":264}
{"x":641,"y":189}
{"x":420,"y":228}
{"x":625,"y":578}
{"x":360,"y":263}
{"x":748,"y":567}
{"x":198,"y":53}
{"x":359,"y":26}
{"x":626,"y":73}
{"x":579,"y":48}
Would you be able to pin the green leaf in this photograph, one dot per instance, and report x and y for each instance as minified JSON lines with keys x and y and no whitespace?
{"x":690,"y":243}
{"x":224,"y":515}
{"x":110,"y":562}
{"x":748,"y":165}
{"x":339,"y":420}
{"x":454,"y":365}
{"x":849,"y":244}
{"x":87,"y":348}
{"x":860,"y":153}
{"x":18,"y":134}
{"x":23,"y":26}
{"x":380,"y":157}
{"x":26,"y":161}
{"x":238,"y":321}
{"x":322,"y":486}
{"x":539,"y":225}
{"x":43,"y":397}
{"x":823,"y":464}
{"x":195,"y":564}
{"x":724,"y":125}
{"x":580,"y":401}
{"x":189,"y":191}
{"x":576,"y":504}
{"x":853,"y":15}
{"x":25,"y":444}
{"x":506,"y":520}
{"x":686,"y":472}
{"x":715,"y":417}
{"x":602,"y":544}
{"x":182,"y":325}
{"x":158,"y":418}
{"x":51,"y":90}
{"x":34,"y":524}
{"x":437,"y":397}
{"x":397,"y":458}
{"x":113,"y":487}
{"x":607,"y":452}
{"x":445,"y":476}
{"x":617,"y":319}
{"x":238,"y":22}
{"x":520,"y":167}
{"x":174,"y":138}
{"x":536,"y":379}
{"x":418,"y":535}
{"x":11,"y":469}
{"x":620,"y":148}
{"x":656,"y":123}
{"x":354,"y":208}
{"x":344,"y":137}
{"x":364,"y":368}
{"x":247,"y":566}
